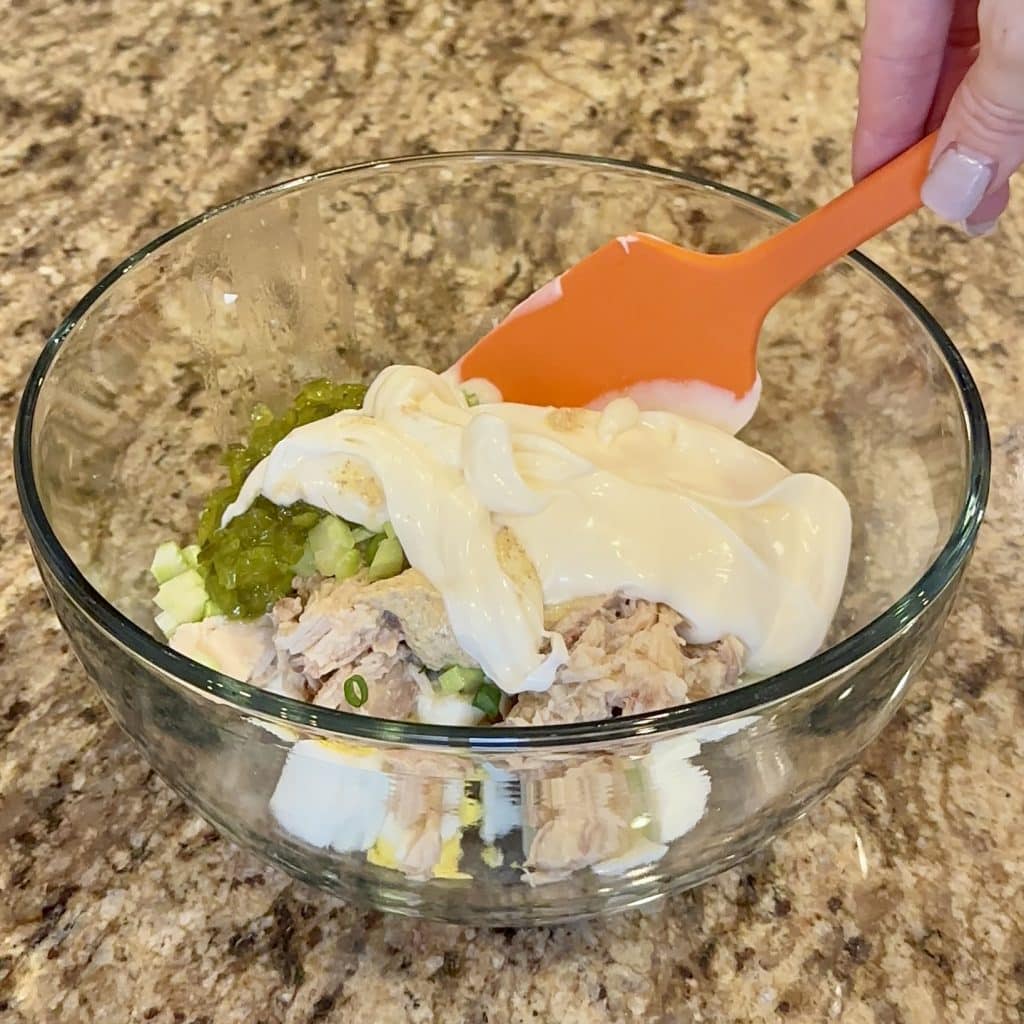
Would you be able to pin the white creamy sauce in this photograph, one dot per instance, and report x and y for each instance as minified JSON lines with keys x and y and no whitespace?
{"x":648,"y":503}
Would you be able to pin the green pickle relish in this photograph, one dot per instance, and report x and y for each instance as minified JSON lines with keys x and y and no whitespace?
{"x":250,"y":563}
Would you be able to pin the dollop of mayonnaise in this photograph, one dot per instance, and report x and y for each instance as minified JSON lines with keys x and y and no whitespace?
{"x":654,"y":505}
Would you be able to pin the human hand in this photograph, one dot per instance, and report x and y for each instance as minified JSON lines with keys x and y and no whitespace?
{"x":955,"y":65}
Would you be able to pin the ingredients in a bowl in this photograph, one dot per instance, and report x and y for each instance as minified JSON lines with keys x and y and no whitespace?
{"x":430,"y":554}
{"x":469,"y":560}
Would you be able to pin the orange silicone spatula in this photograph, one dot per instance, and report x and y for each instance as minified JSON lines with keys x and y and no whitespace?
{"x":641,"y":313}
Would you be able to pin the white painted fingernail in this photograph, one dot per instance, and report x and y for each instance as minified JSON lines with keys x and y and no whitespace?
{"x":957,"y":183}
{"x":977,"y":230}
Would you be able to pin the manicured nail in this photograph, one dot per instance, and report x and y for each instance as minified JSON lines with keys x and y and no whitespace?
{"x":956,"y":183}
{"x":977,"y":230}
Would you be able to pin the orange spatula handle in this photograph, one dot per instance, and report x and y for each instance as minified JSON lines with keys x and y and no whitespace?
{"x":796,"y":253}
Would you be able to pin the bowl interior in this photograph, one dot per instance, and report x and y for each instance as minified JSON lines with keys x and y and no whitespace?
{"x":410,"y":262}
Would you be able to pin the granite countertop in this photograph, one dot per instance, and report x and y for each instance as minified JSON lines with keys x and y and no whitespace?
{"x":896,"y":900}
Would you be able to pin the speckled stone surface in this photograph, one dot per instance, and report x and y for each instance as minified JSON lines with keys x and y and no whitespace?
{"x":897,"y":900}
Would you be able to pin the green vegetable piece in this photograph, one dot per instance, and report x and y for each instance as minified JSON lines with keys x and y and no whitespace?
{"x":349,"y":564}
{"x":251,"y":562}
{"x":388,"y":559}
{"x":472,"y":399}
{"x":361,"y":533}
{"x":457,"y":678}
{"x":306,"y":520}
{"x":331,"y":541}
{"x":306,"y":565}
{"x":243,"y":581}
{"x":167,"y":624}
{"x":370,"y":548}
{"x":184,"y":596}
{"x":210,"y":609}
{"x":488,"y":699}
{"x":389,"y":531}
{"x":261,"y":416}
{"x":191,"y":556}
{"x":168,"y":562}
{"x":356,"y":691}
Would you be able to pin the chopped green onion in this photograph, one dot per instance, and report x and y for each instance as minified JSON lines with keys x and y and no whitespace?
{"x":356,"y":691}
{"x":456,"y":679}
{"x":488,"y":699}
{"x":471,"y":398}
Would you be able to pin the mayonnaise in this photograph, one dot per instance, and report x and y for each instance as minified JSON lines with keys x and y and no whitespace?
{"x":650,"y":504}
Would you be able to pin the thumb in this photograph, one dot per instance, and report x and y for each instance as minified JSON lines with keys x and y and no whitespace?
{"x":981,"y":141}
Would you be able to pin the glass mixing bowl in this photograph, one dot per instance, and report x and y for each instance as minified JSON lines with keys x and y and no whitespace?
{"x":342,"y":273}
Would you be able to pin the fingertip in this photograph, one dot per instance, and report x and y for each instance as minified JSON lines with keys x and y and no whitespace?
{"x":985,"y":219}
{"x":979,"y":230}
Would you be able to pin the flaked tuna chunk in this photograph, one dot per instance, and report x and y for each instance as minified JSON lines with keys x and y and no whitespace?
{"x":332,"y":630}
{"x":393,"y":684}
{"x":417,"y":607}
{"x":628,"y":657}
{"x":337,"y":635}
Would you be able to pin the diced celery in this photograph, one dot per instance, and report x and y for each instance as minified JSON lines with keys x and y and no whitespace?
{"x":168,"y":562}
{"x":211,"y":608}
{"x":348,"y":564}
{"x":331,"y":541}
{"x":191,"y":556}
{"x":388,"y":559}
{"x":184,"y":596}
{"x":167,"y":624}
{"x":389,"y":531}
{"x":331,"y":531}
{"x":306,"y":565}
{"x":456,"y":679}
{"x":361,"y":533}
{"x":370,"y":550}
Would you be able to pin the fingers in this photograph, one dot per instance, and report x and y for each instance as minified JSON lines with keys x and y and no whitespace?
{"x":981,"y":141}
{"x":961,"y":52}
{"x":903,"y":49}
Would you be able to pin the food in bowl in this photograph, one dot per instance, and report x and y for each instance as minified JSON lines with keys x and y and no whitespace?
{"x":423,"y":551}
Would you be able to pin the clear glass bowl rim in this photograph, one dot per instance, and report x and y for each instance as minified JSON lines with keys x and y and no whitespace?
{"x":754,"y":697}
